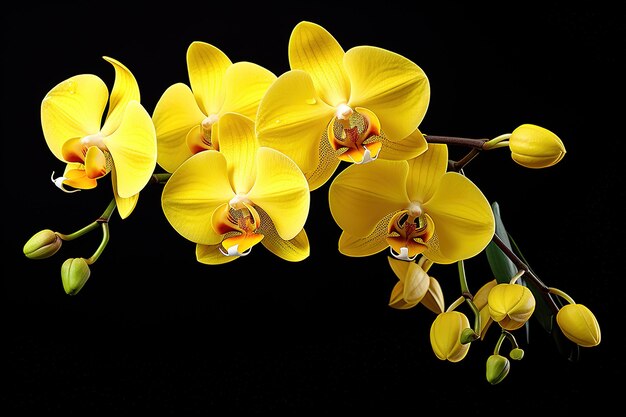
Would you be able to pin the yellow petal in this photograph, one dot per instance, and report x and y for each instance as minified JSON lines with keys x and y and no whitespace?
{"x":396,"y":299}
{"x":73,"y":109}
{"x":76,"y":177}
{"x":292,"y":250}
{"x":361,"y":195}
{"x":391,"y":86}
{"x":175,"y":114}
{"x":207,"y":65}
{"x":426,"y":171}
{"x":579,"y":325}
{"x":327,"y":165}
{"x":433,"y":299}
{"x":245,"y":84}
{"x":125,"y":89}
{"x":193,"y":192}
{"x":125,"y":206}
{"x":134,"y":150}
{"x":281,"y":191}
{"x":481,"y":296}
{"x":292,"y":119}
{"x":363,"y":246}
{"x":211,"y":255}
{"x":314,"y":50}
{"x":463,"y":217}
{"x":415,"y":280}
{"x":238,"y":144}
{"x":95,"y":163}
{"x":408,"y":148}
{"x":445,"y":334}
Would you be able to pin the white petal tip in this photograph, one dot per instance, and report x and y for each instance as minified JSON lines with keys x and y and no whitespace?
{"x":367,"y":157}
{"x":234,"y":251}
{"x":59,"y":183}
{"x":403,"y":255}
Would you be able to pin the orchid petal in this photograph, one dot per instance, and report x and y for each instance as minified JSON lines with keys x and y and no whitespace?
{"x":238,"y":144}
{"x":408,"y":148}
{"x":125,"y":89}
{"x":211,"y":255}
{"x":207,"y":65}
{"x":73,"y":109}
{"x":245,"y":84}
{"x":125,"y":206}
{"x":425,"y":172}
{"x":363,"y":246}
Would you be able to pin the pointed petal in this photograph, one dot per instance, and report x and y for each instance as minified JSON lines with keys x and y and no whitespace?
{"x":462,"y":215}
{"x":125,"y":89}
{"x":95,"y":163}
{"x":207,"y":65}
{"x":391,"y":86}
{"x":281,"y":191}
{"x":238,"y":144}
{"x":125,"y":206}
{"x":77,"y":178}
{"x":363,"y":246}
{"x":193,"y":192}
{"x":425,"y":172}
{"x":292,"y":250}
{"x":245,"y":84}
{"x":292,"y":119}
{"x":361,"y":195}
{"x":175,"y":114}
{"x":211,"y":255}
{"x":433,"y":299}
{"x":314,"y":50}
{"x":134,"y":150}
{"x":408,"y":148}
{"x":396,"y":299}
{"x":73,"y":109}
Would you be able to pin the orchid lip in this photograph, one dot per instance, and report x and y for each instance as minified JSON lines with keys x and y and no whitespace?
{"x":367,"y":157}
{"x":59,"y":183}
{"x":403,"y":255}
{"x":234,"y":251}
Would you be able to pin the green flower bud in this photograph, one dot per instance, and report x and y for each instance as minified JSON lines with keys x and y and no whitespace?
{"x":511,"y":305}
{"x":74,"y":273}
{"x":516,"y":354}
{"x":445,"y":336}
{"x":579,"y":325}
{"x":497,"y":369}
{"x":535,"y":147}
{"x":43,"y":244}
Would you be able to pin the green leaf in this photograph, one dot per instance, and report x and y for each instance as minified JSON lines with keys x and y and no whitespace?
{"x":502,"y":267}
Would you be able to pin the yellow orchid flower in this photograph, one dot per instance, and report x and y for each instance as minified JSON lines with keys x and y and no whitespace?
{"x":229,"y":200}
{"x":511,"y":305}
{"x":412,"y":207}
{"x":186,"y":117}
{"x":125,"y":144}
{"x":337,"y":106}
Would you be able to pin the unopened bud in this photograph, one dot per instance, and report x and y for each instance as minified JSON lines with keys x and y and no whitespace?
{"x":74,"y":273}
{"x":497,"y":369}
{"x":43,"y":244}
{"x":535,"y":147}
{"x":579,"y":325}
{"x":516,"y":354}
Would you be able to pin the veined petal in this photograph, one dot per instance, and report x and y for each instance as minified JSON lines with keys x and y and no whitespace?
{"x":238,"y":144}
{"x":361,"y":195}
{"x":73,"y":109}
{"x":426,"y":171}
{"x":193,"y":192}
{"x":292,"y":119}
{"x":207,"y":65}
{"x":134,"y":150}
{"x":281,"y":191}
{"x":462,"y":215}
{"x":363,"y":246}
{"x":391,"y":86}
{"x":125,"y":89}
{"x":314,"y":50}
{"x":408,"y":148}
{"x":125,"y":206}
{"x":434,"y":299}
{"x":211,"y":255}
{"x":175,"y":114}
{"x":245,"y":84}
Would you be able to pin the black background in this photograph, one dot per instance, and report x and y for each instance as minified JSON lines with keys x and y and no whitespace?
{"x":155,"y":331}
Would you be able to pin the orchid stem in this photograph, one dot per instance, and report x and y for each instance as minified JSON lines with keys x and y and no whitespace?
{"x":106,"y":215}
{"x":160,"y":178}
{"x":467,"y":295}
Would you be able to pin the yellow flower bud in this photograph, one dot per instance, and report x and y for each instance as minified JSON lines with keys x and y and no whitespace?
{"x":535,"y":147}
{"x":480,"y":301}
{"x":43,"y":244}
{"x":497,"y":368}
{"x":412,"y":285}
{"x":511,"y":305}
{"x":445,"y":336}
{"x":74,"y":273}
{"x":579,"y":325}
{"x":434,"y":300}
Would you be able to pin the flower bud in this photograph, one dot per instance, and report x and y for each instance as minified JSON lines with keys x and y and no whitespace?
{"x":535,"y":147}
{"x":497,"y":369}
{"x":412,"y":285}
{"x":511,"y":305}
{"x":579,"y":325}
{"x":74,"y":273}
{"x":445,"y":336}
{"x":480,"y":301}
{"x":43,"y":244}
{"x":517,"y":354}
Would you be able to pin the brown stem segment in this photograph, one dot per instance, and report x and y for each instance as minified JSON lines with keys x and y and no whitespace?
{"x":451,"y":140}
